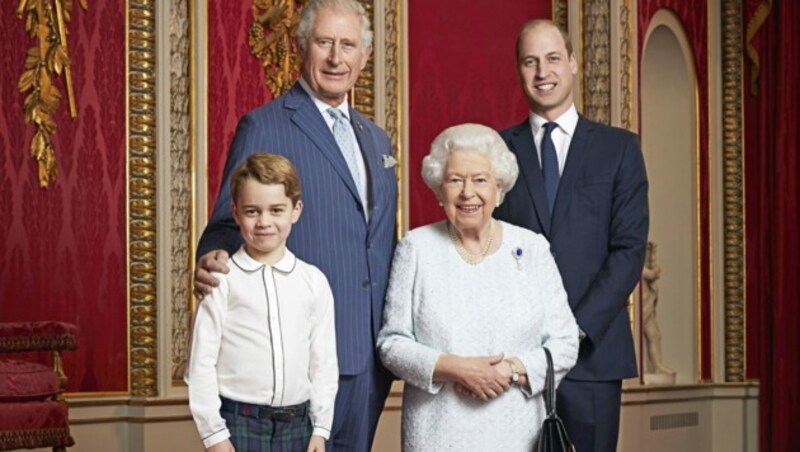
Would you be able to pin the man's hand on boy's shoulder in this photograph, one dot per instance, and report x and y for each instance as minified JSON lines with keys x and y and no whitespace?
{"x":212,"y":261}
{"x":317,"y":444}
{"x":222,"y":446}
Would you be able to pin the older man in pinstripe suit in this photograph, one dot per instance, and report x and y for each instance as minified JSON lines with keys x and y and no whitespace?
{"x":350,"y":198}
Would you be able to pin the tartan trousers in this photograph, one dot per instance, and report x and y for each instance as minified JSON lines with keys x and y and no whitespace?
{"x":266,"y":429}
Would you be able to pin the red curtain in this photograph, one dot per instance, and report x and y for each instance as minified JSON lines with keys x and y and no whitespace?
{"x":773,"y":242}
{"x":63,"y":249}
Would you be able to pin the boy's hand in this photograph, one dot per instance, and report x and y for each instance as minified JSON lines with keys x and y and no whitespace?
{"x":223,"y":446}
{"x":204,"y":283}
{"x":317,"y":444}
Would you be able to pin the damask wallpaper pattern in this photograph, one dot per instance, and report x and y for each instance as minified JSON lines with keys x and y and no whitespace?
{"x":235,"y":82}
{"x":63,"y":249}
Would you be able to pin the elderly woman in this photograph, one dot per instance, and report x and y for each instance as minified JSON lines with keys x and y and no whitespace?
{"x":471,"y":303}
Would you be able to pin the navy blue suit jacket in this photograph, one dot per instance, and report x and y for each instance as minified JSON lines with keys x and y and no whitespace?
{"x":597,"y":234}
{"x":332,"y":232}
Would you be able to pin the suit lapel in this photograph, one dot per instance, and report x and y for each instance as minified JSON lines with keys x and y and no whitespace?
{"x":308,"y":119}
{"x":578,"y":149}
{"x":371,"y":157}
{"x":528,"y":160}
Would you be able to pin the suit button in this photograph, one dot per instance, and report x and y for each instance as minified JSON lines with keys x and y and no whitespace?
{"x":369,"y":245}
{"x":365,"y":283}
{"x":358,"y":207}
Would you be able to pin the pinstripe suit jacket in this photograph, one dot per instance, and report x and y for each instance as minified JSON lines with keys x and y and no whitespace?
{"x":332,"y":232}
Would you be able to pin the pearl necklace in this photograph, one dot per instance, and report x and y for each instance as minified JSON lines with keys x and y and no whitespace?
{"x":472,"y":259}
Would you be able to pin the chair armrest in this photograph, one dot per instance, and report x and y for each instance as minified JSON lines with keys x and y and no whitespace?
{"x":37,"y":336}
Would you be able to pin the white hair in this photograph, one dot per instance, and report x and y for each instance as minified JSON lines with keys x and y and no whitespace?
{"x":476,"y":138}
{"x":310,"y":11}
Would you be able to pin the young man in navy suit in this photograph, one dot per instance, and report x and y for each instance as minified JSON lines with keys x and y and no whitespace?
{"x":583,"y":186}
{"x":350,"y":197}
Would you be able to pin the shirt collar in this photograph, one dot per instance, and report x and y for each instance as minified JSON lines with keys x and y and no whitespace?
{"x":567,"y":122}
{"x":322,"y":106}
{"x":243,"y":260}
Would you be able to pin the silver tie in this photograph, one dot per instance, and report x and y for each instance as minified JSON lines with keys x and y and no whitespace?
{"x":343,"y":133}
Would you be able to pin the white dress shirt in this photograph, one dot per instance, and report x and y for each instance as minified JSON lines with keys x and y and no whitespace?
{"x":363,"y":183}
{"x":561,"y":135}
{"x":264,"y":336}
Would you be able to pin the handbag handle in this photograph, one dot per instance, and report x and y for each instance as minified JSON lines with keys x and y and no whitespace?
{"x":549,"y":385}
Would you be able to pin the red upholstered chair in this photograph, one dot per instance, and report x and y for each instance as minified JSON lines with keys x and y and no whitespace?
{"x":32,"y":410}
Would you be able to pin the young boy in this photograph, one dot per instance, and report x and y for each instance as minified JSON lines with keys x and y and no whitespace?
{"x":263,"y":372}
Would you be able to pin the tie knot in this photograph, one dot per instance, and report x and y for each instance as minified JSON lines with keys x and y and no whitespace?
{"x":549,"y":126}
{"x":336,"y":114}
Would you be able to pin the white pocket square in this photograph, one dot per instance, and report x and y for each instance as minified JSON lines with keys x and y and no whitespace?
{"x":389,"y":161}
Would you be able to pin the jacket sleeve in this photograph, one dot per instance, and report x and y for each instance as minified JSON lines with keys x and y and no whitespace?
{"x":608,"y":293}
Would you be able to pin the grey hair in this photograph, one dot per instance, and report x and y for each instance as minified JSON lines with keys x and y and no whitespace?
{"x":310,"y":11}
{"x":470,"y":137}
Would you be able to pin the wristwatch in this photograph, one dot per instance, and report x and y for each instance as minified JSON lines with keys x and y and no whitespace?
{"x":514,"y":371}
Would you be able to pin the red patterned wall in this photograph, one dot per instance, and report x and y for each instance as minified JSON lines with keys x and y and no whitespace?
{"x":235,"y":82}
{"x":694,"y":17}
{"x":462,"y":68}
{"x":63,"y":249}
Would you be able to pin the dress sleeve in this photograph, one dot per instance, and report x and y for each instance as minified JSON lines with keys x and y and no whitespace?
{"x":204,"y":401}
{"x":559,"y":332}
{"x":323,"y":366}
{"x":399,"y":349}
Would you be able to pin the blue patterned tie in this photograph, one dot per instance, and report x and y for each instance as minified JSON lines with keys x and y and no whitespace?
{"x":343,"y":133}
{"x":550,"y":165}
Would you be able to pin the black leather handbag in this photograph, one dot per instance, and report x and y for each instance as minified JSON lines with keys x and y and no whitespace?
{"x":553,"y":436}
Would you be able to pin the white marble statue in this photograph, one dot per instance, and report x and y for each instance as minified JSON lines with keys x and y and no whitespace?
{"x":655,"y":370}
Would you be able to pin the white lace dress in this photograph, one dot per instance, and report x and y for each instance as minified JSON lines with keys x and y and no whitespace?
{"x":513,"y":302}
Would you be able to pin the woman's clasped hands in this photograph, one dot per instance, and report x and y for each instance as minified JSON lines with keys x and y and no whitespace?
{"x":479,"y":377}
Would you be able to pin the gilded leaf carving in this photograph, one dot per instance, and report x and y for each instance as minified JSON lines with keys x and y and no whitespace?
{"x":272,"y":41}
{"x":46,"y":21}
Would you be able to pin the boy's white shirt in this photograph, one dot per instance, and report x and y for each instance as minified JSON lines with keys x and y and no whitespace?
{"x":264,"y":336}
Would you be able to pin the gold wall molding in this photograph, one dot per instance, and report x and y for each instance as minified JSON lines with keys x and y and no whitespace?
{"x":626,"y":64}
{"x":47,"y":21}
{"x":141,"y":92}
{"x":363,"y":98}
{"x":733,"y":189}
{"x":393,"y":109}
{"x":597,"y":60}
{"x":561,"y":13}
{"x":181,"y":183}
{"x":392,"y":45}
